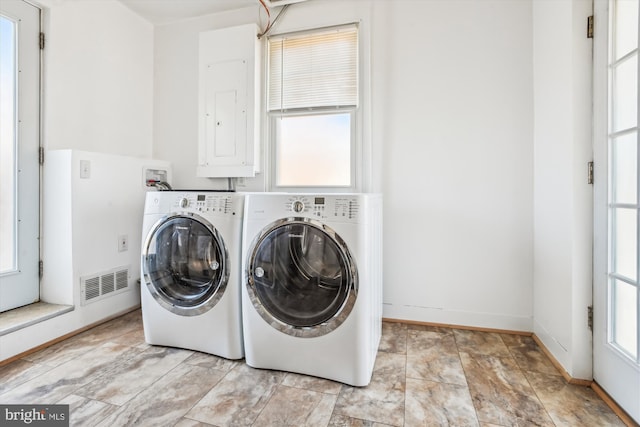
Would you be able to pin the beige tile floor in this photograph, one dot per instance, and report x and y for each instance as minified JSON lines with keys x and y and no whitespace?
{"x":424,"y":376}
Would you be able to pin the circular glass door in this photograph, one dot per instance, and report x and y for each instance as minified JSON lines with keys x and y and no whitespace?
{"x":185,"y":264}
{"x":301,"y":277}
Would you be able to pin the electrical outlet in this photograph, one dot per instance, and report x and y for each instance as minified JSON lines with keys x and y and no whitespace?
{"x":85,"y":169}
{"x":123,"y":243}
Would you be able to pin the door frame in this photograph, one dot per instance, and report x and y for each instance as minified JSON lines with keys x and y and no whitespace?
{"x":601,"y":92}
{"x":28,"y":157}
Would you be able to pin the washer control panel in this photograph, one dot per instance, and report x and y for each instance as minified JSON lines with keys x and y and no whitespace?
{"x":196,"y":202}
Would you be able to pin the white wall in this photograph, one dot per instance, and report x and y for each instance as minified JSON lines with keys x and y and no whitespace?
{"x":562,"y":198}
{"x":451,"y":115}
{"x":98,"y":77}
{"x":455,"y":84}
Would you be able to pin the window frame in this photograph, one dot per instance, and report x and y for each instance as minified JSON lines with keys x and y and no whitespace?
{"x":357,"y":120}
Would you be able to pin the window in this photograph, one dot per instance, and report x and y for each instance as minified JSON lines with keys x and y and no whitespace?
{"x":312,"y":105}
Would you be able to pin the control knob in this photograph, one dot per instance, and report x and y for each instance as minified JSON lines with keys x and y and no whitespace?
{"x":184,"y":202}
{"x":298,"y":206}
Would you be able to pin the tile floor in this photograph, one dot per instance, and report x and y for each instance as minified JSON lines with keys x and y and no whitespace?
{"x":424,"y":376}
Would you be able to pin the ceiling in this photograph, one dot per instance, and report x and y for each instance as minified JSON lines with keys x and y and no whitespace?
{"x":165,"y":11}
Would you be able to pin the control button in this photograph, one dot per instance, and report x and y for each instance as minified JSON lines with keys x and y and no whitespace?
{"x":184,"y":202}
{"x":298,"y":206}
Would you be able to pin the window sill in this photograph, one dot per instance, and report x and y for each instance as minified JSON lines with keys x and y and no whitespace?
{"x":22,"y":317}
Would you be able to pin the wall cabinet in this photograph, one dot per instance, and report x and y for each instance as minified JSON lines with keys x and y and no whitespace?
{"x":229,"y":110}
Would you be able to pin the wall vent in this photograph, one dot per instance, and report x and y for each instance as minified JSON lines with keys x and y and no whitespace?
{"x":122,"y":279}
{"x":105,"y":284}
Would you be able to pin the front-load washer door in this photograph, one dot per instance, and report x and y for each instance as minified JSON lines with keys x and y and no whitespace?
{"x":185,"y":264}
{"x":301,"y":277}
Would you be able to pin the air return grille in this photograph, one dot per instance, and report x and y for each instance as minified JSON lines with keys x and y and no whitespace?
{"x":102,"y":285}
{"x":122,"y":279}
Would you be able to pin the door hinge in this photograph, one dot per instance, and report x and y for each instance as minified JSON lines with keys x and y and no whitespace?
{"x":590,"y":27}
{"x":590,"y":317}
{"x":41,"y":156}
{"x":40,"y":268}
{"x":41,"y":41}
{"x":590,"y":173}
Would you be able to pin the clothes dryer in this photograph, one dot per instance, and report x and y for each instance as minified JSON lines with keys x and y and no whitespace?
{"x":190,"y":290}
{"x":312,"y":284}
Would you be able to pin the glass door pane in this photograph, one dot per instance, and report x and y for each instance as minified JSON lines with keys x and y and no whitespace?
{"x":624,"y":243}
{"x":626,"y":29}
{"x":624,"y":152}
{"x":7,"y":145}
{"x":623,"y":179}
{"x":625,"y":309}
{"x":624,"y":93}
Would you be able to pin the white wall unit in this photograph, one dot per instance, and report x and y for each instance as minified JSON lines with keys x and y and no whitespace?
{"x":90,"y":201}
{"x":229,"y":104}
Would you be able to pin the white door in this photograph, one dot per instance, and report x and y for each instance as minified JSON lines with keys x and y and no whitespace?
{"x":616,"y":343}
{"x":19,"y":153}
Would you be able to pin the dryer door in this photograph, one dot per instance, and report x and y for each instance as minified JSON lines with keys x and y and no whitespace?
{"x":301,"y":277}
{"x":185,"y":264}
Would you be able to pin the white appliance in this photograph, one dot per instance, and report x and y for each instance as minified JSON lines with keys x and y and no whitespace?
{"x":312,"y":284}
{"x":191,"y":244}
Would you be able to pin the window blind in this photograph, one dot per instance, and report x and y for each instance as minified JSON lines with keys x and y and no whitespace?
{"x":314,"y":70}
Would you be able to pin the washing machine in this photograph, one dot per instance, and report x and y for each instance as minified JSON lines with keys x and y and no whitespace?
{"x":191,"y":271}
{"x":312,"y":284}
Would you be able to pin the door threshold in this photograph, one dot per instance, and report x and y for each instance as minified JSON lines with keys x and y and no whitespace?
{"x":22,"y":317}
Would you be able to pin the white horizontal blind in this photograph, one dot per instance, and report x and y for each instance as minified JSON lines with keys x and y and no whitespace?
{"x":314,"y":70}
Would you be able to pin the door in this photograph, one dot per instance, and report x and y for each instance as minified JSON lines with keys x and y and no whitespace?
{"x":185,"y":264}
{"x":19,"y":153}
{"x":302,"y":279}
{"x":616,"y":345}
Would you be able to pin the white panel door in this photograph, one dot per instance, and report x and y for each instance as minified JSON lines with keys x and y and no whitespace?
{"x":616,"y":298}
{"x":19,"y":148}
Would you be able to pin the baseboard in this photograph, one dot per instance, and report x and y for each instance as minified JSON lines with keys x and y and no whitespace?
{"x":568,"y":378}
{"x":450,"y":326}
{"x":613,"y":405}
{"x":458,"y":318}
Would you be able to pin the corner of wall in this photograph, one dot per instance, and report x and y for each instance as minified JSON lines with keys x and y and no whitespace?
{"x":562,"y":198}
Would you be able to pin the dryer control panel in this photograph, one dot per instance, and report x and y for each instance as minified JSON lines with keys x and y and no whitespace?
{"x":324,"y":207}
